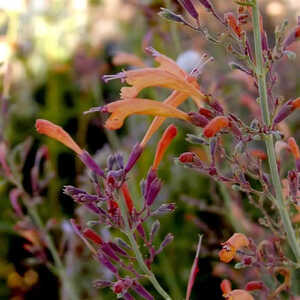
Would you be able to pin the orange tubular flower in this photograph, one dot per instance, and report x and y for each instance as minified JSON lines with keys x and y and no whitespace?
{"x":258,"y":154}
{"x":56,"y":132}
{"x":167,"y":75}
{"x":214,"y":126}
{"x":127,"y":197}
{"x":239,"y":295}
{"x":233,"y":24}
{"x":93,"y":236}
{"x":123,"y":58}
{"x":294,"y":148}
{"x":175,"y":99}
{"x":296,"y":103}
{"x":230,"y":247}
{"x":169,"y":134}
{"x":121,"y":109}
{"x":228,"y":294}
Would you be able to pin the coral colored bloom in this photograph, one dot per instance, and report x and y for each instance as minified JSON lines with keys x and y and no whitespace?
{"x":194,"y":271}
{"x":127,"y":197}
{"x":258,"y":154}
{"x":239,"y":295}
{"x":123,"y":58}
{"x":56,"y":132}
{"x":294,"y":148}
{"x":215,"y":125}
{"x":168,"y":75}
{"x":225,"y":286}
{"x":93,"y":236}
{"x":233,"y":24}
{"x":228,"y":294}
{"x":121,"y":109}
{"x":230,"y":247}
{"x":254,"y":285}
{"x":296,"y":103}
{"x":169,"y":134}
{"x":175,"y":99}
{"x":186,"y":157}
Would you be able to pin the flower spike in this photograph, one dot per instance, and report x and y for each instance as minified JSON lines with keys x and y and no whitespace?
{"x":58,"y":133}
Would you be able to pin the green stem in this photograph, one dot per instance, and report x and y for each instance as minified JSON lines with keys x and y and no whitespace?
{"x":261,"y":74}
{"x":236,"y":224}
{"x":65,"y":279}
{"x":138,"y":253}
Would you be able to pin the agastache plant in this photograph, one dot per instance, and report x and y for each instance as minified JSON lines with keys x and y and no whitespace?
{"x":242,"y":166}
{"x":113,"y":206}
{"x":258,"y":173}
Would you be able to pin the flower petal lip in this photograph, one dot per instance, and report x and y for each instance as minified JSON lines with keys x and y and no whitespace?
{"x":237,"y":241}
{"x":239,"y":295}
{"x":121,"y":109}
{"x":147,"y":77}
{"x":58,"y":133}
{"x":215,"y":125}
{"x":168,"y":75}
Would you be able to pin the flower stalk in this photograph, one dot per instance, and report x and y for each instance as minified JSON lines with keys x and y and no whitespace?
{"x":137,"y":252}
{"x":261,"y":73}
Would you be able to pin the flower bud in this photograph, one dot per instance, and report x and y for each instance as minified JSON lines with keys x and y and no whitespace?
{"x":102,"y":258}
{"x":167,"y":240}
{"x":164,"y":209}
{"x":92,"y":235}
{"x":254,"y":285}
{"x":171,"y":16}
{"x":197,"y":119}
{"x":90,"y":163}
{"x":133,"y":157}
{"x":292,"y":37}
{"x":233,"y":24}
{"x":186,"y":157}
{"x":140,"y":290}
{"x":214,"y":126}
{"x":190,"y":8}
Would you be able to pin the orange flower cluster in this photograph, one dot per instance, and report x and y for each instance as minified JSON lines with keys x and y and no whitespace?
{"x":167,"y":75}
{"x":230,"y":247}
{"x":230,"y":294}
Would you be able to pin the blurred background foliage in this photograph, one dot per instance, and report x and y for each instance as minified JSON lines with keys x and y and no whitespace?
{"x":58,"y":50}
